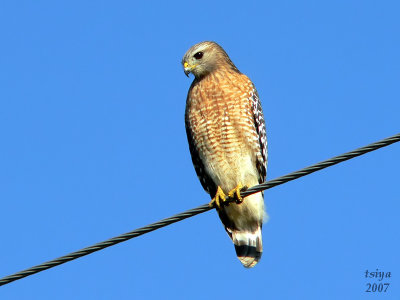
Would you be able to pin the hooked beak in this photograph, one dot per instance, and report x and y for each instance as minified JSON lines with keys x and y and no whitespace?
{"x":187,"y":68}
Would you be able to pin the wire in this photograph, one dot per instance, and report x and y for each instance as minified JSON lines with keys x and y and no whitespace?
{"x":198,"y":210}
{"x":322,"y":165}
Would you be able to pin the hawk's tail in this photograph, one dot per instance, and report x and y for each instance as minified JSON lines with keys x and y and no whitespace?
{"x":248,"y":246}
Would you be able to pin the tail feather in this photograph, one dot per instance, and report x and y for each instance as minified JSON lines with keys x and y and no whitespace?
{"x":248,"y":246}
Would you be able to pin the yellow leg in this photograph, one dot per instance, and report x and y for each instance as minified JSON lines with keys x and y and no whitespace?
{"x":218,"y":199}
{"x":235,"y":193}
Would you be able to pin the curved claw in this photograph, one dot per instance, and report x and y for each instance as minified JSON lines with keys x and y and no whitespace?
{"x":219,"y":199}
{"x":235,"y":193}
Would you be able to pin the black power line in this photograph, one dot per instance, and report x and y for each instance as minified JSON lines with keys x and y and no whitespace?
{"x":195,"y":211}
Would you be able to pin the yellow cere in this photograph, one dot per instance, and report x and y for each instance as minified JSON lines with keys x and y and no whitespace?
{"x":185,"y":64}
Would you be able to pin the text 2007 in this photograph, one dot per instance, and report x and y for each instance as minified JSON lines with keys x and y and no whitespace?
{"x":377,"y":287}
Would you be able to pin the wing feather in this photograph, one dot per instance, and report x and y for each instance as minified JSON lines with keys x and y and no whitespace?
{"x":259,"y":123}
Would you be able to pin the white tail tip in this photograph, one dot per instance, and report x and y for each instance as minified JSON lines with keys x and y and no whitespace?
{"x":248,"y":246}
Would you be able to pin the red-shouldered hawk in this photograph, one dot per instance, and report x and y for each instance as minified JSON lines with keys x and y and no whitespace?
{"x":227,"y":141}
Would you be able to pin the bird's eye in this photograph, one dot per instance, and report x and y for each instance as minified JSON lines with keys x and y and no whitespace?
{"x":198,"y":55}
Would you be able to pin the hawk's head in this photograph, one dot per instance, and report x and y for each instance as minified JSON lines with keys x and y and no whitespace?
{"x":205,"y":57}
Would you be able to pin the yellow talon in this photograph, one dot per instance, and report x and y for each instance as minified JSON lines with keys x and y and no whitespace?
{"x":235,"y":193}
{"x":218,"y":199}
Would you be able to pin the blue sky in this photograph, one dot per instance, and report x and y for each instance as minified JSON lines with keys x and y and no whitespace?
{"x":93,"y":145}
